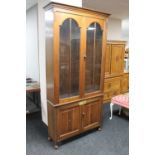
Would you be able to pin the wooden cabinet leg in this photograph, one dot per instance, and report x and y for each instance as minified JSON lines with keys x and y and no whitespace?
{"x":99,"y":129}
{"x":56,"y":145}
{"x":49,"y":138}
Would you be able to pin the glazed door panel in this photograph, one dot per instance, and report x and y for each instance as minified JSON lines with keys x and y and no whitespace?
{"x":107,"y":59}
{"x":68,"y":121}
{"x":93,"y":54}
{"x":69,"y":37}
{"x":117,"y":59}
{"x":91,"y":115}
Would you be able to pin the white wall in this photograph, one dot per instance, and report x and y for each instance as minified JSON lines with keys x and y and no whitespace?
{"x":125,"y":30}
{"x":118,"y":30}
{"x":32,"y":57}
{"x":42,"y":63}
{"x":114,"y":29}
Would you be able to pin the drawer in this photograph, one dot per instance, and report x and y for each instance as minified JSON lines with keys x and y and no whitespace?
{"x":107,"y":96}
{"x":125,"y":83}
{"x":112,"y":84}
{"x":114,"y":93}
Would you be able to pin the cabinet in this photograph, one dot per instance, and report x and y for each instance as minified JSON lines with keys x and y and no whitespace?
{"x":68,"y":121}
{"x":116,"y":81}
{"x":78,"y":117}
{"x":75,"y":54}
{"x":114,"y":65}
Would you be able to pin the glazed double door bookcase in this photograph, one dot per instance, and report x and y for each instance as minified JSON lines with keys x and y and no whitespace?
{"x":80,"y":56}
{"x":75,"y":44}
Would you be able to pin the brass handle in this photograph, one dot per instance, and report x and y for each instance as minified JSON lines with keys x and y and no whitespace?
{"x":84,"y":57}
{"x":83,"y":114}
{"x":82,"y":102}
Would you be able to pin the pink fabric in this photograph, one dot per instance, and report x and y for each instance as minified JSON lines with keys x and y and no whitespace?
{"x":122,"y":100}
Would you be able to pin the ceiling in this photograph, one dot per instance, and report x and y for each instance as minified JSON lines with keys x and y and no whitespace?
{"x":117,"y":8}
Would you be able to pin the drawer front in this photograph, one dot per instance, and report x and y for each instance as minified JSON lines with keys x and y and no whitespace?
{"x":115,"y":92}
{"x":109,"y":95}
{"x":112,"y":84}
{"x":125,"y":84}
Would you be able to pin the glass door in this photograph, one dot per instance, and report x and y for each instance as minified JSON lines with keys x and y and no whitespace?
{"x":69,"y":58}
{"x":93,"y":60}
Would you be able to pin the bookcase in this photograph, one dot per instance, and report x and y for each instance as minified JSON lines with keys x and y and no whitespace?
{"x":75,"y":54}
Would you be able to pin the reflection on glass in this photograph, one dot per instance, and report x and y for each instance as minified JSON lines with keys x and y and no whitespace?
{"x":69,"y":58}
{"x":93,"y":60}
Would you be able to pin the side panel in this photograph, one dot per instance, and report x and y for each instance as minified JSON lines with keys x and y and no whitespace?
{"x":49,"y":53}
{"x":51,"y":122}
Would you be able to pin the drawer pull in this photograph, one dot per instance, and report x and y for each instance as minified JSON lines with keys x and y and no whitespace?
{"x":83,"y":114}
{"x":82,"y":102}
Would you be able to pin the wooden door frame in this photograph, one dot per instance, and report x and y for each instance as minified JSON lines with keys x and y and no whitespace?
{"x":103,"y":25}
{"x":62,"y":17}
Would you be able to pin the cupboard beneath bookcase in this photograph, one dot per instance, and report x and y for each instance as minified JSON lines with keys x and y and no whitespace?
{"x":116,"y":81}
{"x":75,"y":53}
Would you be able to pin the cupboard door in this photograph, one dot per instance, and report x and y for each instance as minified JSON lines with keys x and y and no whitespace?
{"x":94,"y":41}
{"x":69,"y":58}
{"x":68,"y":121}
{"x":117,"y":59}
{"x":91,"y":114}
{"x":107,"y":59}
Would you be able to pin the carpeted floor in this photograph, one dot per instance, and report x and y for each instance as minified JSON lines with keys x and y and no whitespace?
{"x":112,"y":140}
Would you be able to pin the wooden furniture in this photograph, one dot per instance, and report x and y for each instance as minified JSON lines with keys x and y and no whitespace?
{"x":75,"y":53}
{"x":114,"y":65}
{"x":112,"y":87}
{"x":32,"y":87}
{"x":32,"y":97}
{"x":121,"y":100}
{"x":116,"y":80}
